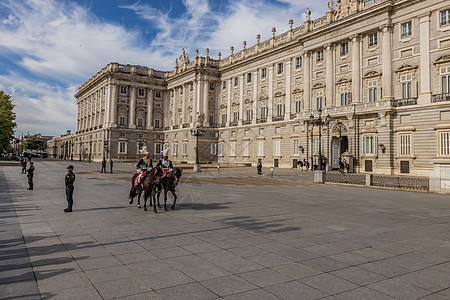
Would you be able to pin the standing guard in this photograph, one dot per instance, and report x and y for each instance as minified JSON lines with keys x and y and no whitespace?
{"x":30,"y":175}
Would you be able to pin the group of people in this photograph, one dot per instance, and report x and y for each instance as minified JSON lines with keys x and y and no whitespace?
{"x":111,"y":164}
{"x":145,"y":165}
{"x":29,"y":171}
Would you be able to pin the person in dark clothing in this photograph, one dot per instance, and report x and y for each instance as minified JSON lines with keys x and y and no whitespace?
{"x":23,"y":163}
{"x":111,"y":165}
{"x":69,"y":180}
{"x":30,"y":173}
{"x":103,"y":166}
{"x":259,"y":167}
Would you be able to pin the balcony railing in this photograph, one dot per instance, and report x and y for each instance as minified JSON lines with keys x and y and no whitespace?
{"x":261,"y":120}
{"x":293,"y":116}
{"x":246,"y":122}
{"x":186,"y":125}
{"x":404,"y":102}
{"x":176,"y":126}
{"x":166,"y":128}
{"x":233,"y":123}
{"x":440,"y":97}
{"x":278,"y":118}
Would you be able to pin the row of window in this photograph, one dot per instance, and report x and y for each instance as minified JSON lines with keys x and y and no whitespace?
{"x":369,"y":146}
{"x":141,"y":91}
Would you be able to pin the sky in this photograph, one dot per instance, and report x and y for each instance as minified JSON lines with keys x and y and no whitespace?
{"x":49,"y":48}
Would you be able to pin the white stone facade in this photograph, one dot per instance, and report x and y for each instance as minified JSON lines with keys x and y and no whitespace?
{"x":379,"y":68}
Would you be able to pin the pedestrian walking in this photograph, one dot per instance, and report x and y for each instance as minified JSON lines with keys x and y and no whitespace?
{"x":23,"y":163}
{"x":30,"y":174}
{"x":70,"y":179}
{"x":111,"y":165}
{"x":259,"y":167}
{"x":103,"y":166}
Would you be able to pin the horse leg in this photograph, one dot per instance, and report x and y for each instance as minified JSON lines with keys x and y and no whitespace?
{"x":152,"y":195}
{"x":174,"y":198}
{"x":145,"y":201}
{"x":165,"y":199}
{"x":132,"y":194}
{"x":139,"y":199}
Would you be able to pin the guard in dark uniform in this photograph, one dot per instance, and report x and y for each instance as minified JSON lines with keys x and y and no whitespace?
{"x":23,"y":163}
{"x":69,"y":180}
{"x":30,"y":174}
{"x":103,"y":166}
{"x":165,"y":164}
{"x":145,"y":164}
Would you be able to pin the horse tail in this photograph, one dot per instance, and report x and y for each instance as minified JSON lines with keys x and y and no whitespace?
{"x":132,"y":192}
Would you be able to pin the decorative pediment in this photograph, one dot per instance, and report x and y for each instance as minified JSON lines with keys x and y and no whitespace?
{"x":297,"y":91}
{"x":180,"y":109}
{"x":190,"y":107}
{"x":372,"y":74}
{"x":235,"y":104}
{"x":406,"y":67}
{"x":279,"y":94}
{"x":318,"y":85}
{"x":343,"y":80}
{"x":248,"y":101}
{"x":263,"y":97}
{"x":223,"y":106}
{"x":442,"y":59}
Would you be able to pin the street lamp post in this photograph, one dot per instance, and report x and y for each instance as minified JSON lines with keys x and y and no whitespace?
{"x":81,"y":148}
{"x":197,"y":132}
{"x":105,"y":145}
{"x":90,"y":150}
{"x":320,"y":122}
{"x":71,"y":152}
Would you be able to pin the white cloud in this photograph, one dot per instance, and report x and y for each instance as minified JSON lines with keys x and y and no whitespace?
{"x":63,"y":42}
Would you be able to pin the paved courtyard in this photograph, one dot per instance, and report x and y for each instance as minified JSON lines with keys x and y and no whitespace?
{"x":233,"y":235}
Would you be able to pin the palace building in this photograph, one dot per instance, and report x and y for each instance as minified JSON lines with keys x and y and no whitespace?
{"x":378,"y":69}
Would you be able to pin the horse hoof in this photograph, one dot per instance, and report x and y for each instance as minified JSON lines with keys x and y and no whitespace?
{"x":131,"y":202}
{"x":145,"y":208}
{"x":139,"y":206}
{"x":173,"y":207}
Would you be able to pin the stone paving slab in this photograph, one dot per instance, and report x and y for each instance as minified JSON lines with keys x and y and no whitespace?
{"x":233,"y":235}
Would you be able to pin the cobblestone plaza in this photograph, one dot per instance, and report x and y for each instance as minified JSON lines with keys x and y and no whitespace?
{"x":234,"y":235}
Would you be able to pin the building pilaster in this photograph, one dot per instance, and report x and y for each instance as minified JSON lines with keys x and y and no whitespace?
{"x":150,"y":109}
{"x":270,"y":100}
{"x":386,"y":60}
{"x":424,"y":96}
{"x":307,"y":81}
{"x":329,"y":76}
{"x":287,"y":105}
{"x":132,"y":112}
{"x":356,"y":69}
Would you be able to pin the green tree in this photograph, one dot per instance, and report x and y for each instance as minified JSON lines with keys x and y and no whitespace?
{"x":36,"y":145}
{"x":7,"y":121}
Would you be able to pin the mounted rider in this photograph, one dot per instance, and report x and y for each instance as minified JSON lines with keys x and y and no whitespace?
{"x":144,"y":166}
{"x":165,"y":164}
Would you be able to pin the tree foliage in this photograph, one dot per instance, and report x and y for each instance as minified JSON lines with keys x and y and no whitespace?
{"x":7,"y":121}
{"x":36,"y":145}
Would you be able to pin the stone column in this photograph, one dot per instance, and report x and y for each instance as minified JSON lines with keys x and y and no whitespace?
{"x":241,"y":99}
{"x":107,"y":121}
{"x":386,"y":60}
{"x":184,"y":106}
{"x":287,"y":105}
{"x":307,"y":81}
{"x":425,"y":63}
{"x":199,"y":100}
{"x":270,"y":100}
{"x":99,"y":104}
{"x":150,"y":109}
{"x":176,"y":92}
{"x":194,"y":104}
{"x":255,"y":96}
{"x":356,"y":70}
{"x":132,"y":107}
{"x":329,"y":76}
{"x":206,"y":102}
{"x":229,"y":102}
{"x":114,"y":105}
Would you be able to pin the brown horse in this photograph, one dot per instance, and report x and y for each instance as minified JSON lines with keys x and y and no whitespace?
{"x":148,"y":185}
{"x":168,"y":183}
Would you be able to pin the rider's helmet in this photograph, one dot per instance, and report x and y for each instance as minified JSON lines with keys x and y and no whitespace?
{"x":165,"y":154}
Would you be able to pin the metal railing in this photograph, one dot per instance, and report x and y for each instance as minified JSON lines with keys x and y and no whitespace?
{"x":246,"y":122}
{"x":278,"y":118}
{"x":293,"y":116}
{"x":403,"y":182}
{"x":222,"y":125}
{"x":404,"y":102}
{"x":348,"y":178}
{"x":176,"y":126}
{"x":186,"y":125}
{"x":440,"y":97}
{"x":233,"y":123}
{"x":261,"y":120}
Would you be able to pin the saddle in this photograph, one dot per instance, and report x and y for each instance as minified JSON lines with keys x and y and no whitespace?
{"x":140,"y":177}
